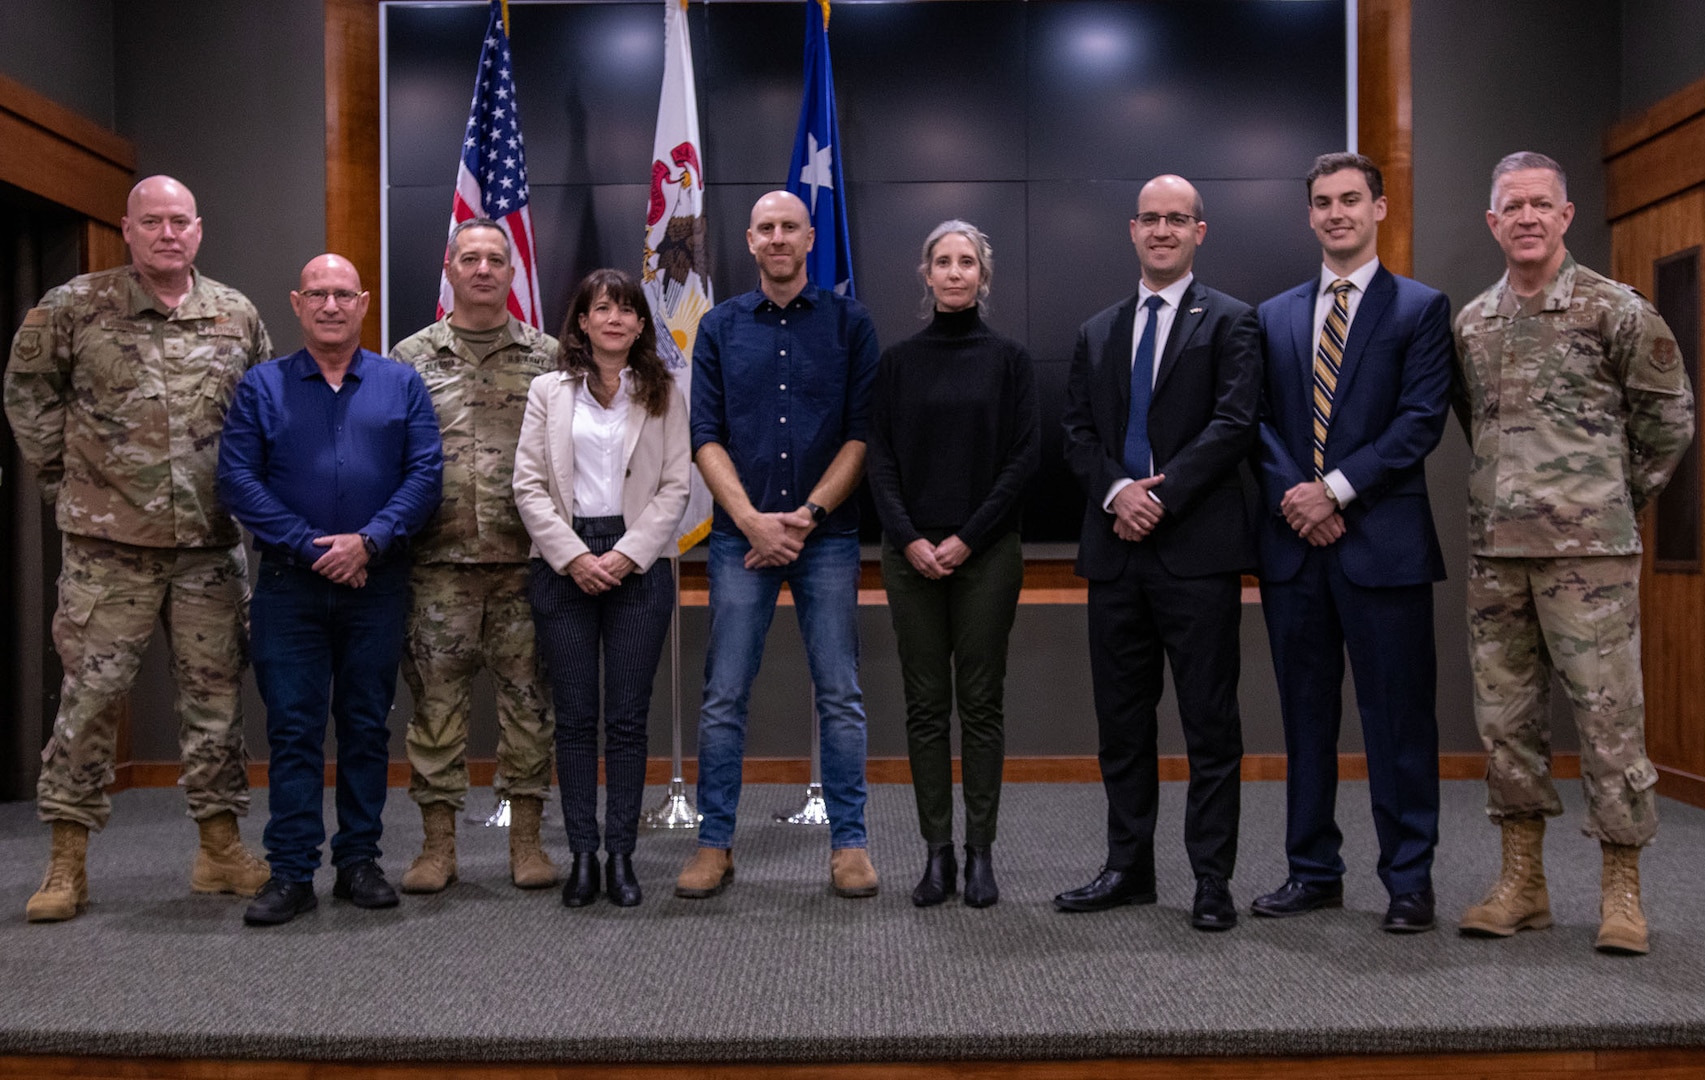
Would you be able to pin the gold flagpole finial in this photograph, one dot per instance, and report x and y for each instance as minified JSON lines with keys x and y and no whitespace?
{"x":825,"y":6}
{"x":504,"y":4}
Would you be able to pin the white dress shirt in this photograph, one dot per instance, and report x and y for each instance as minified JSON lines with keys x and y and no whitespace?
{"x":1323,"y":298}
{"x":600,"y":443}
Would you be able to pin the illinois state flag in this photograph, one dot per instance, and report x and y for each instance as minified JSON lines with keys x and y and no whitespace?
{"x":676,"y":273}
{"x":491,"y":180}
{"x":815,"y":173}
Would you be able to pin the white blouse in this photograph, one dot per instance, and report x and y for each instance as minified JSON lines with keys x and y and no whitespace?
{"x":600,"y":437}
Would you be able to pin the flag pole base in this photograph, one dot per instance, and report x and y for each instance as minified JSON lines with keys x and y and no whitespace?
{"x":813,"y":812}
{"x":674,"y":812}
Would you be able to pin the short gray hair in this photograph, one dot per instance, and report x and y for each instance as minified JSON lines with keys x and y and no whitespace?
{"x":1526,"y":159}
{"x":477,"y":223}
{"x":985,"y":260}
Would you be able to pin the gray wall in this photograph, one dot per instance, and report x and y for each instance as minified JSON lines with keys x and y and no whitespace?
{"x":1663,"y":49}
{"x":244,"y":127}
{"x":61,"y":49}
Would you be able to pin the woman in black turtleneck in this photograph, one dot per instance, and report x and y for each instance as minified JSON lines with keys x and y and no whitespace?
{"x":954,"y":436}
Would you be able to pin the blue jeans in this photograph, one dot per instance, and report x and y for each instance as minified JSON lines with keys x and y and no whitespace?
{"x":824,"y":582}
{"x":318,"y":648}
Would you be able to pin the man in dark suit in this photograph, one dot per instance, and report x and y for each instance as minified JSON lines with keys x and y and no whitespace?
{"x":1358,"y":365}
{"x":1161,"y":409}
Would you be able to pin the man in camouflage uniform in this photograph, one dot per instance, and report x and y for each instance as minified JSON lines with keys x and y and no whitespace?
{"x":116,"y":390}
{"x":470,"y":574}
{"x":1577,"y":410}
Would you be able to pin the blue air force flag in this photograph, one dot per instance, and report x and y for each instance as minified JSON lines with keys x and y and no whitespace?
{"x":815,"y":173}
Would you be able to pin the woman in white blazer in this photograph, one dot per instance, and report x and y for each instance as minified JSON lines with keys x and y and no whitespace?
{"x":601,"y":482}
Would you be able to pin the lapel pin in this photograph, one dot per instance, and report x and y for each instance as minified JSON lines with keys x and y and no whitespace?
{"x":1197,"y":310}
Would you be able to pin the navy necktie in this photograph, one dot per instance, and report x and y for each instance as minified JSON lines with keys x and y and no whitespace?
{"x":1137,"y":450}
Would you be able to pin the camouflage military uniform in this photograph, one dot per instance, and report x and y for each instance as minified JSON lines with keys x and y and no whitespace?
{"x":470,"y":575}
{"x":1578,"y":411}
{"x":117,"y":404}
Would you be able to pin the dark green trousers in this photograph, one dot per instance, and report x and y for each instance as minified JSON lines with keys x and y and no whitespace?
{"x":952,"y":635}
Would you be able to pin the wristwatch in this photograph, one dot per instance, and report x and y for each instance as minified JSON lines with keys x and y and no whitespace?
{"x":367,"y":542}
{"x":817,"y":513}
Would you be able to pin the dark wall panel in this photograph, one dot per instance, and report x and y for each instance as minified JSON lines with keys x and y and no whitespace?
{"x":1037,"y":121}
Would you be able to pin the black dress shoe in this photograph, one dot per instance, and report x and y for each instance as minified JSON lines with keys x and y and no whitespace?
{"x":1409,"y":913}
{"x":1299,"y":898}
{"x":1213,"y":909}
{"x":941,"y":877}
{"x":980,"y":888}
{"x":279,"y":901}
{"x":582,"y":885}
{"x":363,"y":884}
{"x":1111,"y":889}
{"x":619,"y":883}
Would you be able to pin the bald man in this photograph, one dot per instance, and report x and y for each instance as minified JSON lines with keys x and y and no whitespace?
{"x":116,"y":391}
{"x":332,"y":459}
{"x":781,"y":400}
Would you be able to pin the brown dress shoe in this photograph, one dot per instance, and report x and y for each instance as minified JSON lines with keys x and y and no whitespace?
{"x":851,"y":874}
{"x":707,"y":873}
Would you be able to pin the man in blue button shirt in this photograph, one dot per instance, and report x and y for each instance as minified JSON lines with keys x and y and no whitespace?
{"x":781,"y":399}
{"x":331,"y":458}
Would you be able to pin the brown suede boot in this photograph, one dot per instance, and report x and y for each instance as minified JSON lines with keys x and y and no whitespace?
{"x":529,"y":866}
{"x":1519,"y":899}
{"x":1622,"y":925}
{"x":851,"y":874}
{"x":65,"y":890}
{"x":223,"y":864}
{"x":707,"y":873}
{"x":435,"y":867}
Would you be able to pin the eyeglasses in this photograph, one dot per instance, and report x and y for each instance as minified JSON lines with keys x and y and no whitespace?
{"x":319,"y":296}
{"x":1152,"y":220}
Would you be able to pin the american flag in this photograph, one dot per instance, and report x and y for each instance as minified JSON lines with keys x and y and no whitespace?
{"x":491,"y":180}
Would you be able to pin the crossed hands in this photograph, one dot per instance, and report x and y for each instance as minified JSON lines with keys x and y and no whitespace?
{"x":1310,"y":511}
{"x":598,"y":574}
{"x":1135,"y":513}
{"x":777,"y":538}
{"x":345,"y":560}
{"x":936,"y":561}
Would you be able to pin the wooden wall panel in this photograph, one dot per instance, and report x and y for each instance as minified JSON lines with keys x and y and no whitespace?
{"x":352,"y":142}
{"x":48,"y":150}
{"x":1385,"y":121}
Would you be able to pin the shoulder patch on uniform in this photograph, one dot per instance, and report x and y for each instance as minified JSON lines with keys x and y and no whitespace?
{"x":1666,"y":355}
{"x":27,"y":345}
{"x":36,"y":316}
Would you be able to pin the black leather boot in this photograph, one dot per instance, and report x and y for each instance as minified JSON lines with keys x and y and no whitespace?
{"x":582,"y":886}
{"x":941,"y":877}
{"x":980,"y":887}
{"x":619,"y":883}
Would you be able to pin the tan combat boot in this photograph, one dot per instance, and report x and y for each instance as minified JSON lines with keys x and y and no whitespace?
{"x":223,"y":864}
{"x":851,"y":874}
{"x":529,"y":866}
{"x":1622,"y":925}
{"x":435,"y":867}
{"x":65,"y":890}
{"x":707,"y":873}
{"x":1519,"y":899}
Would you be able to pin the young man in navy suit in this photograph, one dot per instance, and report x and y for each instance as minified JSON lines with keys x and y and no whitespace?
{"x":1160,"y":413}
{"x":1358,"y":371}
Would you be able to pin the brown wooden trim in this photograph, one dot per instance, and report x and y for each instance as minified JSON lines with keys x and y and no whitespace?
{"x":1385,"y":124}
{"x":1655,"y":170}
{"x":1678,"y":107}
{"x":48,"y":150}
{"x":1681,"y":785}
{"x":352,"y":143}
{"x":1039,"y":769}
{"x":1654,"y":1064}
{"x":102,"y":246}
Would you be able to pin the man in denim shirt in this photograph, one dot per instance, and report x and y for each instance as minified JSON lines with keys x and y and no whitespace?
{"x":781,"y":402}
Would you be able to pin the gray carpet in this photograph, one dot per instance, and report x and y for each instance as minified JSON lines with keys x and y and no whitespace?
{"x":778,"y":968}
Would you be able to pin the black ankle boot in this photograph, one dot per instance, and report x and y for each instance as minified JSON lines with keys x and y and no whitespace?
{"x":582,"y":886}
{"x":980,"y":887}
{"x":619,"y":883}
{"x":941,"y":877}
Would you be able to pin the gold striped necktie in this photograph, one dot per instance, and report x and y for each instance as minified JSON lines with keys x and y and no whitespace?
{"x":1327,"y":358}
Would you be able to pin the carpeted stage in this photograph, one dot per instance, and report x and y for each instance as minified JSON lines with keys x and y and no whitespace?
{"x":780,"y":970}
